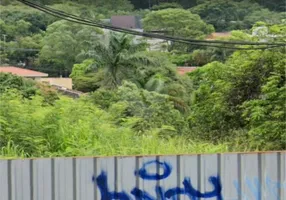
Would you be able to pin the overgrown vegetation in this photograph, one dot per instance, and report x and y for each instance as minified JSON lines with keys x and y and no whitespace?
{"x":31,"y":127}
{"x":136,"y":102}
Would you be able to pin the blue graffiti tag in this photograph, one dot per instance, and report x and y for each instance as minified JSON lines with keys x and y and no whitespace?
{"x":161,"y":194}
{"x":142,"y":173}
{"x":101,"y":181}
{"x":254,"y":185}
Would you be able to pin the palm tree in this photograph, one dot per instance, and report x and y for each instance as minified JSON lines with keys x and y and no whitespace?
{"x":119,"y":57}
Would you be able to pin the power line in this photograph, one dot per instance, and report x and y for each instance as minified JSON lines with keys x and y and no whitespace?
{"x":76,"y":19}
{"x":140,"y":33}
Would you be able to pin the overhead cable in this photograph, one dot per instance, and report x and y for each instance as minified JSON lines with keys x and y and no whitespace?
{"x":76,"y":19}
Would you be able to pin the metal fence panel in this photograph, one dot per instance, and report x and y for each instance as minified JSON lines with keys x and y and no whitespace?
{"x":172,"y":180}
{"x":230,"y":175}
{"x":269,"y":176}
{"x":189,"y":167}
{"x":105,"y":177}
{"x":282,"y":179}
{"x":21,"y":180}
{"x":42,"y":179}
{"x":125,"y":178}
{"x":148,"y":185}
{"x":63,"y":179}
{"x":250,"y":176}
{"x":84,"y":169}
{"x":4,"y":180}
{"x":209,"y":169}
{"x":246,"y":176}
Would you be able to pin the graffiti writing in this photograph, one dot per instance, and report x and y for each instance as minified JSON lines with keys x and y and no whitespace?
{"x":161,"y":193}
{"x":255,"y":186}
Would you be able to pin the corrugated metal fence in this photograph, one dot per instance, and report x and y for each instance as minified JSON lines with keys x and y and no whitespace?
{"x":253,"y":176}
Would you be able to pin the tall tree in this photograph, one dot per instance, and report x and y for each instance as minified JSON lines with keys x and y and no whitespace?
{"x":177,"y":22}
{"x":118,"y":57}
{"x":63,"y":43}
{"x":228,"y":15}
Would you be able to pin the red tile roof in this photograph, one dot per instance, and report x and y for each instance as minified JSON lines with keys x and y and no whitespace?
{"x":21,"y":71}
{"x":184,"y":70}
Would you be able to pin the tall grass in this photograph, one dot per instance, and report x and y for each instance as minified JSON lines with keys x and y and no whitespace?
{"x":32,"y":128}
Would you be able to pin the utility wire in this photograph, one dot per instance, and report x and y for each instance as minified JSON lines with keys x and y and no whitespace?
{"x":37,"y":6}
{"x":76,"y":19}
{"x":91,"y":23}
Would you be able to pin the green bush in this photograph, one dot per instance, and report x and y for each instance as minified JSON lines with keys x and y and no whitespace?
{"x":8,"y":81}
{"x":180,"y":59}
{"x":147,"y":110}
{"x":247,"y":92}
{"x":27,"y":87}
{"x":266,"y":115}
{"x":70,"y":127}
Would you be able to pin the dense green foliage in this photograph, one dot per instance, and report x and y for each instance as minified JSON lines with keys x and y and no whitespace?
{"x":142,"y":109}
{"x":177,"y":22}
{"x":30,"y":127}
{"x":83,"y":77}
{"x":228,"y":15}
{"x":233,"y":92}
{"x":277,"y":5}
{"x":26,"y":87}
{"x":27,"y":28}
{"x":115,"y":55}
{"x":135,"y":101}
{"x":61,"y":46}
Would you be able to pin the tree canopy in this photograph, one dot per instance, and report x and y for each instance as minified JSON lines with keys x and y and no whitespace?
{"x":132,"y":99}
{"x":117,"y":56}
{"x":230,"y":15}
{"x":177,"y":22}
{"x":236,"y":94}
{"x":61,"y":47}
